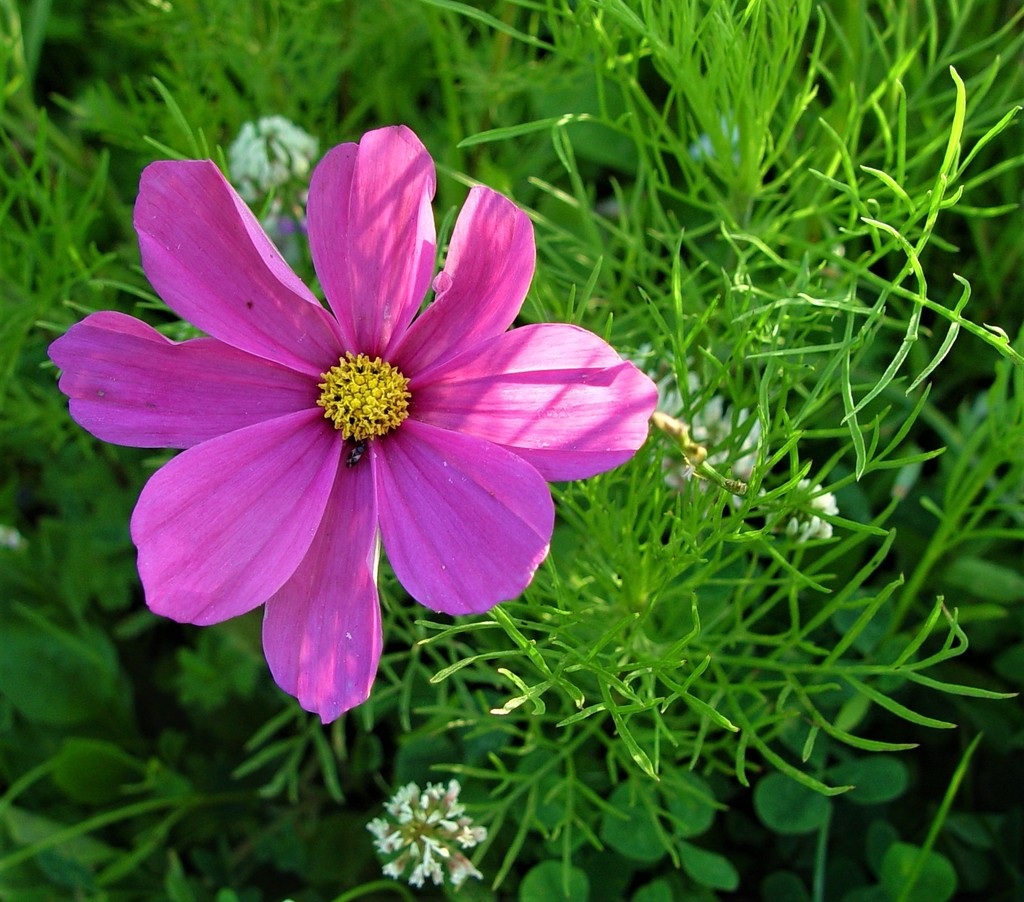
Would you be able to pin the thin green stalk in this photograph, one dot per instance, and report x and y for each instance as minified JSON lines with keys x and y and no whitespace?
{"x":938,"y":821}
{"x":106,"y":818}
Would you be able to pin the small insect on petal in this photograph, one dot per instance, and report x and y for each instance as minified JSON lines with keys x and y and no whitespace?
{"x":356,"y":454}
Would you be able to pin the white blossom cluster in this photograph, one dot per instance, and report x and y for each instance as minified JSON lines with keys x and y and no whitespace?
{"x":806,"y":526}
{"x":269,"y":153}
{"x":424,"y":833}
{"x":712,"y":425}
{"x":731,"y":437}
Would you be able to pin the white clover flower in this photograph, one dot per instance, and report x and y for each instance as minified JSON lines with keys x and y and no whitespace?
{"x":717,"y":425}
{"x":269,"y":153}
{"x":713,"y":426}
{"x":806,"y":526}
{"x":424,"y":832}
{"x":11,"y":538}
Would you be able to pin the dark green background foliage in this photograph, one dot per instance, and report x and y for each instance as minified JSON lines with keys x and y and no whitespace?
{"x":808,"y":212}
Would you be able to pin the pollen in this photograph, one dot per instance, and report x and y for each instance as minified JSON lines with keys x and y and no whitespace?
{"x":364,"y":397}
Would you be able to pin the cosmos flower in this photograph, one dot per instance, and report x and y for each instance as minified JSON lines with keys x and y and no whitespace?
{"x":424,"y":834}
{"x":310,"y":439}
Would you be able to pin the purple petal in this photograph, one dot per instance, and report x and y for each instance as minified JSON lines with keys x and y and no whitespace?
{"x":482,"y":286}
{"x":222,"y":526}
{"x":556,"y":395}
{"x":321,"y":630}
{"x":465,"y":523}
{"x":371,"y":232}
{"x":131,"y":386}
{"x":212,"y":263}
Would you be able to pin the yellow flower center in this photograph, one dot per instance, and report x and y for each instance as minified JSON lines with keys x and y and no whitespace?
{"x":364,"y":398}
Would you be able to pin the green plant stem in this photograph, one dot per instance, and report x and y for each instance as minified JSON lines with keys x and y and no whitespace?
{"x":112,"y":817}
{"x":383,"y":886}
{"x":938,"y":820}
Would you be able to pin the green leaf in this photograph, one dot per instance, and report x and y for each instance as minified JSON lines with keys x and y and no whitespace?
{"x":217,"y":671}
{"x":67,"y":873}
{"x":54,"y":677}
{"x":417,"y":756}
{"x":655,"y":891}
{"x":639,"y":756}
{"x":489,"y":21}
{"x":784,"y":886}
{"x":551,"y":880}
{"x":867,"y":634}
{"x":936,"y":881}
{"x":872,"y":893}
{"x":986,"y":579}
{"x":1010,"y":664}
{"x":592,"y":140}
{"x":27,"y":828}
{"x":94,"y":771}
{"x":956,"y":688}
{"x":976,"y":830}
{"x":632,"y":832}
{"x":709,"y":868}
{"x":875,"y":778}
{"x":691,"y":804}
{"x":896,"y":708}
{"x":787,"y":807}
{"x":176,"y":884}
{"x":859,"y":742}
{"x":880,"y":835}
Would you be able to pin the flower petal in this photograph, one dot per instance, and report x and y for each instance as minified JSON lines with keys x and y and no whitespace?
{"x":222,"y":526}
{"x":130,"y":385}
{"x":556,"y":395}
{"x":371,"y":232}
{"x":211,"y":262}
{"x":321,"y":629}
{"x":486,"y":274}
{"x":465,"y":523}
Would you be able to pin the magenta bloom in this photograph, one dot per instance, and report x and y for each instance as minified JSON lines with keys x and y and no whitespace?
{"x":310,"y":438}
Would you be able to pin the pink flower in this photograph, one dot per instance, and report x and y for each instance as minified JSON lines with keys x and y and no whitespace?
{"x":309,"y":438}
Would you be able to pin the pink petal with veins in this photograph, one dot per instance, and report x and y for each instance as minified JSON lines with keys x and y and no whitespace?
{"x":130,"y":385}
{"x":213,"y":265}
{"x":483,"y":284}
{"x":321,"y":629}
{"x":465,"y":523}
{"x":371,"y":232}
{"x":556,"y":395}
{"x":222,"y":526}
